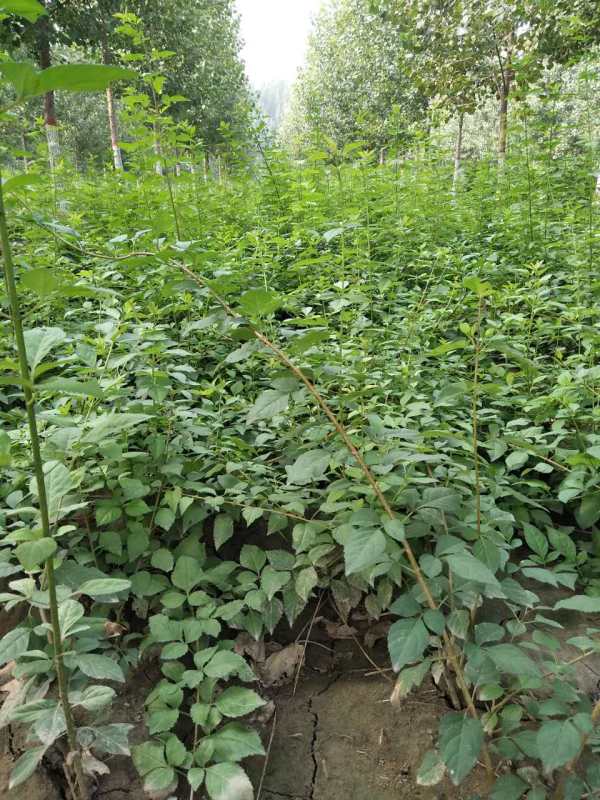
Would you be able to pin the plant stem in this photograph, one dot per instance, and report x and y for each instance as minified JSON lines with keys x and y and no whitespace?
{"x":38,"y":466}
{"x":475,"y":417}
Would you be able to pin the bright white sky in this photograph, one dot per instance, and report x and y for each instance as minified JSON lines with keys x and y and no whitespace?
{"x":275,"y":33}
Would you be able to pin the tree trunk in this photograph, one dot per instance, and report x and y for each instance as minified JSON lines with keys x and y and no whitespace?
{"x":158,"y":164}
{"x":458,"y":153}
{"x":598,"y":185}
{"x":503,"y":114}
{"x":50,"y":122}
{"x":206,"y":166}
{"x":112,"y":117}
{"x":114,"y":131}
{"x":24,"y":148}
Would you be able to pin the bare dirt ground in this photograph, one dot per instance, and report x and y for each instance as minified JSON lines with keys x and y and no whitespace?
{"x":336,"y":738}
{"x":334,"y":735}
{"x":340,"y":738}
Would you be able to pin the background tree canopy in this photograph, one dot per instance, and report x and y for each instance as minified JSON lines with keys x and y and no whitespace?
{"x":289,"y":386}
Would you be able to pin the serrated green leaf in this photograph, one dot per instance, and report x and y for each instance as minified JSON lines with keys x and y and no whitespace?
{"x":259,"y":303}
{"x":32,"y":555}
{"x":470,"y":568}
{"x":583,"y":603}
{"x":41,"y":341}
{"x":234,"y":741}
{"x":432,"y":769}
{"x":100,"y":667}
{"x":308,"y":468}
{"x":461,"y":739}
{"x":223,"y":530}
{"x":25,"y":766}
{"x":267,"y":405}
{"x":407,"y":640}
{"x":508,"y":787}
{"x":237,"y":702}
{"x":186,"y":574}
{"x":363,"y":548}
{"x":513,"y":660}
{"x":252,"y":557}
{"x":163,"y":559}
{"x":13,"y":644}
{"x":224,"y":664}
{"x":99,"y":587}
{"x":82,"y":77}
{"x":228,"y":782}
{"x":558,"y":742}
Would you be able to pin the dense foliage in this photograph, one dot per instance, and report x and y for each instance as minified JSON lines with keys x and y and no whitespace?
{"x":303,"y":379}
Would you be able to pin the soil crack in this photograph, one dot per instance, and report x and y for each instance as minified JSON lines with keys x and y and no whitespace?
{"x":315,"y":732}
{"x":313,"y":745}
